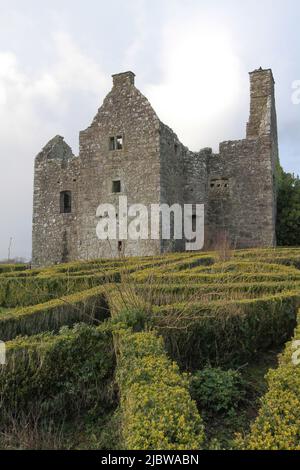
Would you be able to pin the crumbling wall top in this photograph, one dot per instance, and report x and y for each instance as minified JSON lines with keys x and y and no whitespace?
{"x":56,"y":149}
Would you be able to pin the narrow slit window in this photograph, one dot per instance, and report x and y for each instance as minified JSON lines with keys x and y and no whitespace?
{"x":112,"y":143}
{"x":119,"y":142}
{"x":65,"y":202}
{"x":116,"y":186}
{"x":220,"y":184}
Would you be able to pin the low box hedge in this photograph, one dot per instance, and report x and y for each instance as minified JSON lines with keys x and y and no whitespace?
{"x":57,"y":376}
{"x":277,"y":426}
{"x":6,"y":268}
{"x":33,"y":290}
{"x":253,"y":266}
{"x":157,"y":412}
{"x":283,"y":256}
{"x":160,"y":294}
{"x":225,"y":333}
{"x":88,"y":306}
{"x":216,"y":278}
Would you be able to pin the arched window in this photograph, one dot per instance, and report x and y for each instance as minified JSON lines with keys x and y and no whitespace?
{"x":65,"y":202}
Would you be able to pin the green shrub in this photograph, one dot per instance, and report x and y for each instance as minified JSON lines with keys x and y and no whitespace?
{"x":6,"y":268}
{"x":281,"y":256}
{"x":250,"y":266}
{"x":134,"y":319}
{"x":216,"y":390}
{"x":277,"y":426}
{"x":288,"y":216}
{"x":31,"y":290}
{"x":88,"y":306}
{"x":164,"y":293}
{"x":226,"y":333}
{"x":190,"y":276}
{"x":156,"y":408}
{"x":58,"y":376}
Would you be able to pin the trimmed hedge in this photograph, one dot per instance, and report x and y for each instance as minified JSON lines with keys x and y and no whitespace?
{"x":161,"y":294}
{"x":119,"y":262}
{"x":278,"y":424}
{"x":255,"y":266}
{"x":88,"y":306}
{"x":15,"y":292}
{"x":226,"y":332}
{"x":216,"y":278}
{"x":289,"y":261}
{"x":5,"y":268}
{"x":38,"y":286}
{"x":20,"y":274}
{"x":57,"y":376}
{"x":156,"y":409}
{"x":284,"y":256}
{"x":191,"y":262}
{"x":29,"y":290}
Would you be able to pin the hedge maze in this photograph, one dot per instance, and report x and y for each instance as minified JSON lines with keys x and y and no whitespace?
{"x":102,"y":354}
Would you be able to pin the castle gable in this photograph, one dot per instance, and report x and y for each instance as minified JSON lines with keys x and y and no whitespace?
{"x":128,"y":151}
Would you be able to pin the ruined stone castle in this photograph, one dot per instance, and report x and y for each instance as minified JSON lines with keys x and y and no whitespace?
{"x":128,"y":151}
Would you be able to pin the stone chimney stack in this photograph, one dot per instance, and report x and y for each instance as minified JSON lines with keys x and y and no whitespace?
{"x":262,"y":106}
{"x":123,"y":79}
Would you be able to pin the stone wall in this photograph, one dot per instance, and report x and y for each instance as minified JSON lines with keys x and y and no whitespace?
{"x":172,"y":154}
{"x":242,"y":177}
{"x":127,"y":142}
{"x":127,"y":113}
{"x":54,"y":234}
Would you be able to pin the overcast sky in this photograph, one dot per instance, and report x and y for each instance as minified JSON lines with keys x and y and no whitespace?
{"x":191,"y":59}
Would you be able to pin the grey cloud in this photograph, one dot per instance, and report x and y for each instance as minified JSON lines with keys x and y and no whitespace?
{"x":56,"y":59}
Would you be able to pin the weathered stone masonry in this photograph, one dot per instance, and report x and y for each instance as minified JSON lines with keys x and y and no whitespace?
{"x":128,"y":151}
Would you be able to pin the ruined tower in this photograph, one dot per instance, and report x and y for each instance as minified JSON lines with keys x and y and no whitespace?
{"x":242,"y":177}
{"x":128,"y":151}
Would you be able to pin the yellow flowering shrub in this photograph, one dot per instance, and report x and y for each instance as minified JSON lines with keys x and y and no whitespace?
{"x":156,"y":408}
